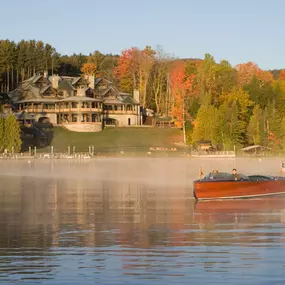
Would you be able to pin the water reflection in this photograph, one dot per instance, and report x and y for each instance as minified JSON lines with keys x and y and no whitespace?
{"x":59,"y":231}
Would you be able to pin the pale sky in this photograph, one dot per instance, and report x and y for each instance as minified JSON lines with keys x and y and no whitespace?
{"x":235,"y":30}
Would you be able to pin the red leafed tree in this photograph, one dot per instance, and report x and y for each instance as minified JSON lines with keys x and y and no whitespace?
{"x":247,"y":71}
{"x":264,"y":76}
{"x":181,"y":86}
{"x":282,"y":74}
{"x":127,"y":70}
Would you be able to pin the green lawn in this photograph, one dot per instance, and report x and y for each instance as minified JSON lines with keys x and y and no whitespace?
{"x":122,"y":138}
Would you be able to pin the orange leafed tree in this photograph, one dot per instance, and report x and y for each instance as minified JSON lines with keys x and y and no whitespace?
{"x":128,"y":67}
{"x":246,"y":71}
{"x":89,"y":68}
{"x":181,"y":86}
{"x":282,"y":74}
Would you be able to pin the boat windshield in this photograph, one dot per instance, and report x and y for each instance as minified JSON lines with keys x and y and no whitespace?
{"x":223,"y":176}
{"x":260,"y":178}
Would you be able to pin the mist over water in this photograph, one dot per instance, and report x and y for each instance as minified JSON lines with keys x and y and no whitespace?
{"x":150,"y":171}
{"x":134,"y":221}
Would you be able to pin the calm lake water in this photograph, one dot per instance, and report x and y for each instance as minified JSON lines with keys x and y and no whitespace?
{"x":60,"y":225}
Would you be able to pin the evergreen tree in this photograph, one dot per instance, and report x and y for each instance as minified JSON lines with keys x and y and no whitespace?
{"x":236,"y":126}
{"x":254,"y":127}
{"x":205,"y":125}
{"x":12,"y":134}
{"x":229,"y":127}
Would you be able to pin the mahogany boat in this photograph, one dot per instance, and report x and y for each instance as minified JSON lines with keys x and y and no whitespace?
{"x":224,"y":186}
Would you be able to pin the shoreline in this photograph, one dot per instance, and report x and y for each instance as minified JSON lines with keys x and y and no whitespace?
{"x":134,"y":155}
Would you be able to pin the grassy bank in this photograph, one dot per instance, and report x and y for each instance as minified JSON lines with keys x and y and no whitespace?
{"x":116,"y":138}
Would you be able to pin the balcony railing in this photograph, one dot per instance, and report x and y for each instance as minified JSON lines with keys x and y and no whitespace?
{"x":62,"y":110}
{"x":116,"y":112}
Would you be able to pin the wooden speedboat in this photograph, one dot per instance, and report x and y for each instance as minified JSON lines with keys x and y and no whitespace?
{"x":224,"y":186}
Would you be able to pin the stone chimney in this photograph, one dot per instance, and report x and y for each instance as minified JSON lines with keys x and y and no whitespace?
{"x":136,"y":94}
{"x":55,"y":81}
{"x":91,"y":79}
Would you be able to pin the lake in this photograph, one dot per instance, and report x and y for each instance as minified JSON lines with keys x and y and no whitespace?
{"x":134,"y":221}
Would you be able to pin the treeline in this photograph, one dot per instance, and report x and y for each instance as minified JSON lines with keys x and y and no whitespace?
{"x":231,"y":106}
{"x":10,"y":134}
{"x":236,"y":106}
{"x":19,"y":61}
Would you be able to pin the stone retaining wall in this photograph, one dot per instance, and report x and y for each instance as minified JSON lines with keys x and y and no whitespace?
{"x":84,"y":128}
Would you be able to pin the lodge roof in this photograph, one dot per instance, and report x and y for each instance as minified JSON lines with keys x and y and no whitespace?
{"x":39,"y":100}
{"x":44,"y":89}
{"x":65,"y":85}
{"x":113,"y":101}
{"x":30,"y":91}
{"x":79,"y":99}
{"x":128,"y":99}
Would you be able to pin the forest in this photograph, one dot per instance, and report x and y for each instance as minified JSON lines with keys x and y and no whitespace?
{"x":230,"y":105}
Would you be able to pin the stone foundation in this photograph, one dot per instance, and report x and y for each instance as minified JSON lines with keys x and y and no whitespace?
{"x":84,"y":128}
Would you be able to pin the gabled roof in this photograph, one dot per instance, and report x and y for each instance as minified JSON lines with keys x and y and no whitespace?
{"x":65,"y":85}
{"x":75,"y":80}
{"x":129,"y":100}
{"x":29,"y":90}
{"x":44,"y":89}
{"x":105,"y":91}
{"x":98,"y":80}
{"x":36,"y":78}
{"x":35,"y":91}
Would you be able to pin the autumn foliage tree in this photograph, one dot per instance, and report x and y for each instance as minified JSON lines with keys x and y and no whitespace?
{"x":133,"y":70}
{"x":238,"y":105}
{"x":282,"y":74}
{"x":181,"y":86}
{"x":89,"y":68}
{"x":247,"y":71}
{"x":127,"y":70}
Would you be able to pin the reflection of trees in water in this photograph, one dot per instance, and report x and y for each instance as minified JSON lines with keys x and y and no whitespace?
{"x":43,"y":217}
{"x":58,"y":212}
{"x":99,"y":213}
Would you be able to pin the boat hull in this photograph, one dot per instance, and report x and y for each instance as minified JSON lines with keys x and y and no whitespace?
{"x":205,"y":190}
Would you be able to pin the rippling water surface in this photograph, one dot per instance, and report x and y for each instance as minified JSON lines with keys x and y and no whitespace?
{"x":81,"y":231}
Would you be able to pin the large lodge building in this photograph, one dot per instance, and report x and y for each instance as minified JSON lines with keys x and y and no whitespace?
{"x":79,"y":103}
